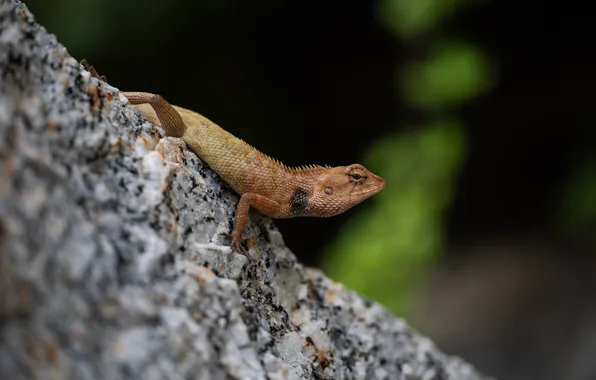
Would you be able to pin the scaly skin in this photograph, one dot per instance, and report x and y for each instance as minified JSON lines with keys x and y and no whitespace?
{"x":263,"y":182}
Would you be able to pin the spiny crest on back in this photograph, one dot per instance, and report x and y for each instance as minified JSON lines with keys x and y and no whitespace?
{"x":289,"y":169}
{"x":305,"y":168}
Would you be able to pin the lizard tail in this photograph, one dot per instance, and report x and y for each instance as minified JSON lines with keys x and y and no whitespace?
{"x":169,"y":119}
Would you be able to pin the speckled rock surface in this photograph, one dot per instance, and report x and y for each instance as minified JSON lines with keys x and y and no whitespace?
{"x":112,"y":265}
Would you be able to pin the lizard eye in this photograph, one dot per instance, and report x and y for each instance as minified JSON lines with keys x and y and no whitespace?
{"x":329,"y":190}
{"x":357,"y":176}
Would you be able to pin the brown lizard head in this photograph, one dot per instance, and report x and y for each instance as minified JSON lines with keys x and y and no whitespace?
{"x":341,"y":188}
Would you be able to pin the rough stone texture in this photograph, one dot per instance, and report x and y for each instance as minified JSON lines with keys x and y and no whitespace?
{"x":112,"y":265}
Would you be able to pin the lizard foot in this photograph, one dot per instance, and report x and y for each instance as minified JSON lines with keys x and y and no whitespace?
{"x":92,"y":70}
{"x":236,"y":245}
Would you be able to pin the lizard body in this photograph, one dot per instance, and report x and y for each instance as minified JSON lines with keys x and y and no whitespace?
{"x":262,"y":182}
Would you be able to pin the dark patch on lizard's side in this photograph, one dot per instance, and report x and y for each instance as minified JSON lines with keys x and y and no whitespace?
{"x":298,"y":202}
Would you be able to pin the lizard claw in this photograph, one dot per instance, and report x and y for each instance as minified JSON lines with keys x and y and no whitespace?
{"x":236,"y":245}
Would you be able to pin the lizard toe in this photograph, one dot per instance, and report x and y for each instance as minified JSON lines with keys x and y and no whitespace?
{"x":236,"y":245}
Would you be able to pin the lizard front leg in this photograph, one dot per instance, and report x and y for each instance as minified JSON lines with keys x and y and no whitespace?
{"x":170,"y":119}
{"x":262,"y":204}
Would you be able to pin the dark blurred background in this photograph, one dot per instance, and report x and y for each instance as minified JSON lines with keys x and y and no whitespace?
{"x":479,"y":114}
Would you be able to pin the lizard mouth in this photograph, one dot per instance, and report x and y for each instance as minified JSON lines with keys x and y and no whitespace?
{"x":380,"y":183}
{"x":373,"y":187}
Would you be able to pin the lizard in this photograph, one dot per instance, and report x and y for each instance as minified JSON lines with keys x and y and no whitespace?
{"x":264,"y":183}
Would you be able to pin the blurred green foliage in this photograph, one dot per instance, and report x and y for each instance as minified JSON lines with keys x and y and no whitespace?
{"x":576,"y":215}
{"x":385,"y":251}
{"x":89,"y":27}
{"x":411,"y":18}
{"x":452,"y":73}
{"x":79,"y":25}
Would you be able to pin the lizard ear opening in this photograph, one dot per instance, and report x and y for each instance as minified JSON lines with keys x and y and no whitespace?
{"x":328,"y":190}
